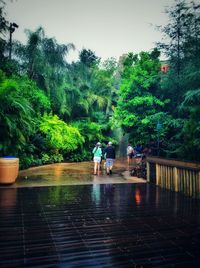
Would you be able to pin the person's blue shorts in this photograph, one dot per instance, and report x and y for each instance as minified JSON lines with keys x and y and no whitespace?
{"x":109,"y":162}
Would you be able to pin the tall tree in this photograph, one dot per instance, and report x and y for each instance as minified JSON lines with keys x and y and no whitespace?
{"x":181,"y":84}
{"x":44,"y":61}
{"x":138,"y":107}
{"x":89,"y":89}
{"x":3,"y":30}
{"x":181,"y":47}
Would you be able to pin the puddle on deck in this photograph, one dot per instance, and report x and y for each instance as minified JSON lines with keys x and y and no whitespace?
{"x":73,"y":174}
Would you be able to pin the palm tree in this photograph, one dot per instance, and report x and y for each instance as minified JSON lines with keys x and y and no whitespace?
{"x":16,"y":117}
{"x":43,"y":59}
{"x":89,"y":88}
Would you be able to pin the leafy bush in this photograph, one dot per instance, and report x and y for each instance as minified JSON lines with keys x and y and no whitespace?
{"x":59,"y":135}
{"x":21,"y":102}
{"x":52,"y":158}
{"x":29,"y":161}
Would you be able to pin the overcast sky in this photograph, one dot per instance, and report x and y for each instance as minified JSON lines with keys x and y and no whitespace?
{"x":108,"y":27}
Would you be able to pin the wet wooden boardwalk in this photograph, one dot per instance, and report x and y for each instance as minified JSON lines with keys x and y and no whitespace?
{"x":98,"y":225}
{"x":74,"y":174}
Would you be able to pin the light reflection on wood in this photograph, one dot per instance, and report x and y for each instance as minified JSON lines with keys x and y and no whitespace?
{"x":138,"y":196}
{"x":8,"y":198}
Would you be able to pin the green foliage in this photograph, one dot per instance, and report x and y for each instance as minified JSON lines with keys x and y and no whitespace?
{"x":2,"y":76}
{"x":16,"y":117}
{"x":181,"y":84}
{"x":83,"y":154}
{"x":70,"y":92}
{"x":190,"y":147}
{"x":27,"y":160}
{"x":52,"y":111}
{"x":53,"y":158}
{"x":43,"y":60}
{"x":59,"y":135}
{"x":38,"y":99}
{"x":92,"y":133}
{"x":138,"y":104}
{"x":88,"y":57}
{"x":89,"y":89}
{"x":45,"y":158}
{"x":21,"y":102}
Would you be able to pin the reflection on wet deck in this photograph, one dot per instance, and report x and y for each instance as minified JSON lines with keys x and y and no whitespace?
{"x":99,"y":225}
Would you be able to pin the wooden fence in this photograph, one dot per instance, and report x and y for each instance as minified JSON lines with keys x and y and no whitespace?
{"x":178,"y":176}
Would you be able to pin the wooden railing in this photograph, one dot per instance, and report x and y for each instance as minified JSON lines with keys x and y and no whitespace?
{"x":178,"y":176}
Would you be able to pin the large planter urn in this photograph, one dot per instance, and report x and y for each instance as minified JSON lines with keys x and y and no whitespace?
{"x":9,"y":168}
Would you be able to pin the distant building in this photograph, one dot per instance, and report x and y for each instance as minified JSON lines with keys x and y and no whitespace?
{"x":164,"y":66}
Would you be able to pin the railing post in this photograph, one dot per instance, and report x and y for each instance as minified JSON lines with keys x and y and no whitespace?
{"x":198,"y":184}
{"x":148,"y":171}
{"x":176,"y":188}
{"x":157,"y":174}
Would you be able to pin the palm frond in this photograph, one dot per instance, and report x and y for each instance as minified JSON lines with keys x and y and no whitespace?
{"x":192,"y":97}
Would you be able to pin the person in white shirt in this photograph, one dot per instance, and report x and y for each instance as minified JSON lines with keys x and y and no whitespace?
{"x":130,"y":153}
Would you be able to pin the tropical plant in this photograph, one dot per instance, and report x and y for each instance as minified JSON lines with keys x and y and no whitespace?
{"x":138,"y":106}
{"x":60,"y":137}
{"x":181,"y":84}
{"x":16,"y":117}
{"x":43,"y":59}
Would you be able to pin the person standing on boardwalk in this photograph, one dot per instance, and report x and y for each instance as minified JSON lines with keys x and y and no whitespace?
{"x":110,"y":157}
{"x":130,"y":153}
{"x":97,"y":152}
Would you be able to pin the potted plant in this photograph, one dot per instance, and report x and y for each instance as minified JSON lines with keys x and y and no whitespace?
{"x":9,"y":168}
